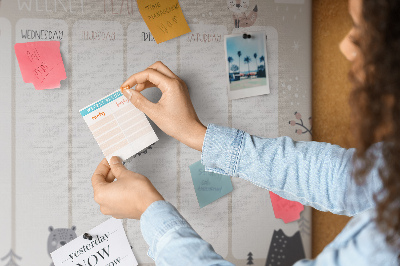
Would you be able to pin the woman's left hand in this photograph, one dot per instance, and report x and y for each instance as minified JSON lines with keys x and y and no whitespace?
{"x":127,"y":197}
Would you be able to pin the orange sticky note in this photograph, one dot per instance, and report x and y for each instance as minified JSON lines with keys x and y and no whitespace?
{"x":41,"y":64}
{"x":284,"y":209}
{"x":164,"y":18}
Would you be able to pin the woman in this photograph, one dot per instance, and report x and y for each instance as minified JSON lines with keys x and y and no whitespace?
{"x":362,"y":182}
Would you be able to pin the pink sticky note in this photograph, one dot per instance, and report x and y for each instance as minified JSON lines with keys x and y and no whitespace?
{"x":41,"y":64}
{"x":284,"y":209}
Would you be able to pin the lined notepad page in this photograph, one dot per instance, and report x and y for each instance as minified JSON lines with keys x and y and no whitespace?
{"x":118,"y":126}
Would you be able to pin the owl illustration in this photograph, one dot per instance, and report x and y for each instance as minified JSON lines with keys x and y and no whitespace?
{"x":239,"y":8}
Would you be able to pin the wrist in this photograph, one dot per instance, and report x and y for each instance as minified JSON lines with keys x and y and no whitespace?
{"x":197,"y":136}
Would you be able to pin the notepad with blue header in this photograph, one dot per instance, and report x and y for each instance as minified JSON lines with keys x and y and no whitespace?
{"x":118,"y":126}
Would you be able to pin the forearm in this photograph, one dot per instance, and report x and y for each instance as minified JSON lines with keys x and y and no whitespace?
{"x":312,"y":173}
{"x":171,"y":239}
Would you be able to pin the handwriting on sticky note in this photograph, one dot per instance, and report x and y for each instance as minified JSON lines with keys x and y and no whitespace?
{"x":41,"y":63}
{"x":108,"y":246}
{"x":284,"y":209}
{"x":209,"y":186}
{"x":164,"y":18}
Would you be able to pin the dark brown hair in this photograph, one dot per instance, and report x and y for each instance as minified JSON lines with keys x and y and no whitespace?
{"x":375,"y":102}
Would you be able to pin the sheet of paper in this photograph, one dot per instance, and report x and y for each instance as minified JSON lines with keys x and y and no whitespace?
{"x":284,"y":209}
{"x":209,"y":186}
{"x":41,"y":63}
{"x":109,"y":246}
{"x":118,"y":126}
{"x":164,"y":18}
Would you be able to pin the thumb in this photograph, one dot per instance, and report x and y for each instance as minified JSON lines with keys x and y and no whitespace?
{"x":117,"y":167}
{"x":139,"y":101}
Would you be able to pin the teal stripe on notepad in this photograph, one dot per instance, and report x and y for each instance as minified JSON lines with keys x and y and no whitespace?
{"x":102,"y":102}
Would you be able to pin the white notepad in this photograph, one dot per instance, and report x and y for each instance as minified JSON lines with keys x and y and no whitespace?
{"x":118,"y":126}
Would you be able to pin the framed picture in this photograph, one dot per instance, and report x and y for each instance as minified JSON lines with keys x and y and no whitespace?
{"x":246,"y":64}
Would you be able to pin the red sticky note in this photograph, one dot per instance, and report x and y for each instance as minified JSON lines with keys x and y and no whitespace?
{"x":284,"y":209}
{"x":41,"y":63}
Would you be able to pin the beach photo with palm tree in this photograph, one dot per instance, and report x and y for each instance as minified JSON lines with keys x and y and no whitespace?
{"x":242,"y":62}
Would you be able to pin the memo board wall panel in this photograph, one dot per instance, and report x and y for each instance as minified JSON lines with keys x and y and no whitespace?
{"x":48,"y":154}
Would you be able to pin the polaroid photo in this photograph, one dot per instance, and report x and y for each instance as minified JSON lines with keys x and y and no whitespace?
{"x":246,"y":64}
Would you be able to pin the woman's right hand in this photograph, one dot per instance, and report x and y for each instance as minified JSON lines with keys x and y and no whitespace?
{"x":174,"y":112}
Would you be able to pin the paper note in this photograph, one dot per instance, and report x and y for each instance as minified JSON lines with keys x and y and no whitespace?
{"x":108,"y":246}
{"x":41,"y":63}
{"x":209,"y":186}
{"x":118,"y":126}
{"x":164,"y":18}
{"x":284,"y":209}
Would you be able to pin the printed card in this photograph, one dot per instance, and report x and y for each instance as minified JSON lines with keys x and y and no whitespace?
{"x":108,"y":246}
{"x":246,"y":64}
{"x":118,"y":126}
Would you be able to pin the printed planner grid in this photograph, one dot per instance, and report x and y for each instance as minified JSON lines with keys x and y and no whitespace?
{"x":119,"y":128}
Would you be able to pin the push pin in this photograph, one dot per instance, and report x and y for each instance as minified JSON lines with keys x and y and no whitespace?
{"x":87,"y":236}
{"x":246,"y":36}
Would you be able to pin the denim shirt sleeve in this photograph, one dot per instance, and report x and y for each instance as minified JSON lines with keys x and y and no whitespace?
{"x":171,"y":239}
{"x":312,"y":173}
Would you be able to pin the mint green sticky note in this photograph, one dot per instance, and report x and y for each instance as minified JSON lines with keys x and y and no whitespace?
{"x":209,"y":186}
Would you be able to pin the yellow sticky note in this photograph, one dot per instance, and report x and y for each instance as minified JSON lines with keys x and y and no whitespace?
{"x":164,"y":19}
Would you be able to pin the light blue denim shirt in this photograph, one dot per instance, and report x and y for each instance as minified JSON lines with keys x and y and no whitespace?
{"x":312,"y":173}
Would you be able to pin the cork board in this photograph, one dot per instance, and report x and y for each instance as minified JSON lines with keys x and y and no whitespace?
{"x":330,"y":96}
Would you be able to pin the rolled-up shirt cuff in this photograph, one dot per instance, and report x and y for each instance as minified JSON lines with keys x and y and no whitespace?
{"x":158,"y":219}
{"x":222,"y":148}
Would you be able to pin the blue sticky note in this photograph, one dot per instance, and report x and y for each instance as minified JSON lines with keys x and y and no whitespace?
{"x":209,"y":186}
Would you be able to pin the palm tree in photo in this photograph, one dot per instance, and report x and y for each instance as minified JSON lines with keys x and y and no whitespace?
{"x":247,"y":60}
{"x":255,"y":58}
{"x":239,"y":54}
{"x":262,"y":59}
{"x":230,"y":60}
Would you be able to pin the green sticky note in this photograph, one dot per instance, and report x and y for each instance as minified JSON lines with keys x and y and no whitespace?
{"x":209,"y":186}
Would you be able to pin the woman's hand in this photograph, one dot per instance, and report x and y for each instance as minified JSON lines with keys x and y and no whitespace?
{"x":127,"y":197}
{"x":174,"y":113}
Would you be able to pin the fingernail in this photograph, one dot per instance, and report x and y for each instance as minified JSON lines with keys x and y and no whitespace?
{"x":128,"y":94}
{"x":115,"y":160}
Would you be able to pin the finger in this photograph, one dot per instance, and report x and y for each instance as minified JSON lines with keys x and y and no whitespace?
{"x":118,"y":168}
{"x":104,"y":210}
{"x":110,"y":177}
{"x":140,"y":102}
{"x":142,"y":86}
{"x":159,"y":80}
{"x":160,"y":67}
{"x":100,"y":174}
